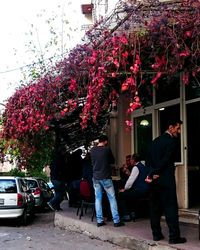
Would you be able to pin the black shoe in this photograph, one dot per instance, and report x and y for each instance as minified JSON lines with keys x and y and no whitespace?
{"x":158,"y":237}
{"x":133,"y":216}
{"x":126,"y":218}
{"x":119,"y":224}
{"x":100,"y":224}
{"x":59,"y":209}
{"x":177,"y":240}
{"x":52,"y":208}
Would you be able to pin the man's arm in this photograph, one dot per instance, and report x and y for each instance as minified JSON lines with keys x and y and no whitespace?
{"x":163,"y":163}
{"x":132,"y":178}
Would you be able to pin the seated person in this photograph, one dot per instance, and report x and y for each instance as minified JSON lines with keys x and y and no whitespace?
{"x":125,"y":171}
{"x":134,"y":189}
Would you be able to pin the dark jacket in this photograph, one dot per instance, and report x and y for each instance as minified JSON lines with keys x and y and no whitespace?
{"x":102,"y":158}
{"x":87,"y":171}
{"x":161,"y":158}
{"x":75,"y":166}
{"x":58,"y":167}
{"x":139,"y":183}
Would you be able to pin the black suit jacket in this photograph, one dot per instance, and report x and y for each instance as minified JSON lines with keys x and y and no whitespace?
{"x":161,"y":158}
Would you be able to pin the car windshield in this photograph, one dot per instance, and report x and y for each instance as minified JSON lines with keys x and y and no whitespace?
{"x":8,"y":186}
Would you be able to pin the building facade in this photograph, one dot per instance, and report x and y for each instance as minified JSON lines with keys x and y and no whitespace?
{"x":171,"y":97}
{"x":184,"y":102}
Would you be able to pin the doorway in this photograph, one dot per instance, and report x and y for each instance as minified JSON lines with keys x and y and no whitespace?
{"x":193,"y":158}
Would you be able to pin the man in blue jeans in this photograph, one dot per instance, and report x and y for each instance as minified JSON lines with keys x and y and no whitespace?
{"x":58,"y":177}
{"x":102,"y":158}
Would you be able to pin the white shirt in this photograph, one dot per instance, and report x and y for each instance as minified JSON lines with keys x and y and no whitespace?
{"x":133,"y":176}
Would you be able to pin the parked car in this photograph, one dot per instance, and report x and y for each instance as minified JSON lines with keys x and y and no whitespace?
{"x":16,"y":200}
{"x":40,"y":190}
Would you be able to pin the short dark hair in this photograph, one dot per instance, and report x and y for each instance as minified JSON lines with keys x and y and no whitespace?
{"x":103,"y":138}
{"x":173,"y":122}
{"x":136,"y":157}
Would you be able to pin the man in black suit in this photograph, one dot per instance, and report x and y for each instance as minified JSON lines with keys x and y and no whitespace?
{"x":160,"y":159}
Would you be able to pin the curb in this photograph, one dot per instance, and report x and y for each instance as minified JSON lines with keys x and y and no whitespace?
{"x":107,"y":233}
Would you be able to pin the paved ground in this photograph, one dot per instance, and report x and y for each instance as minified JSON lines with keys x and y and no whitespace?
{"x":42,"y":235}
{"x":135,"y":235}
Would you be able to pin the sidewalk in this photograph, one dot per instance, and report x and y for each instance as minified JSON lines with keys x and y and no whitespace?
{"x":134,"y":235}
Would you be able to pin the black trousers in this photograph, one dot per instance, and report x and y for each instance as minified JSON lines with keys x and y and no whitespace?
{"x":164,"y":201}
{"x":128,"y":199}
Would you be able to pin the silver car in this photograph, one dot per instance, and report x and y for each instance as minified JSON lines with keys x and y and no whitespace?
{"x":16,"y":201}
{"x":40,"y":190}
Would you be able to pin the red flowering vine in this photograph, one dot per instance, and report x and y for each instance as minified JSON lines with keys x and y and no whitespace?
{"x":167,"y":43}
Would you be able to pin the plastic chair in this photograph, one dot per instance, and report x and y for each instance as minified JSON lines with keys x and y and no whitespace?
{"x":87,"y":198}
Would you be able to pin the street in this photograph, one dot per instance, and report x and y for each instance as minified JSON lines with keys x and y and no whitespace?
{"x":41,"y":235}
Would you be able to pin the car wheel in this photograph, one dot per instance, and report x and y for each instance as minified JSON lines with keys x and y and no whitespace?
{"x":32,"y":214}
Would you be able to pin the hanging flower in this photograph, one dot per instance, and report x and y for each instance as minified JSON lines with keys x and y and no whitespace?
{"x":135,"y":104}
{"x":184,"y":53}
{"x":155,"y":79}
{"x":124,"y":87}
{"x":160,"y":62}
{"x":129,"y":123}
{"x":185,"y":78}
{"x":72,"y":85}
{"x":125,"y":54}
{"x":123,"y":39}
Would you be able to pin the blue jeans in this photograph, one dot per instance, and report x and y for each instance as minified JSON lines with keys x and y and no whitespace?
{"x":59,"y":187}
{"x":107,"y":185}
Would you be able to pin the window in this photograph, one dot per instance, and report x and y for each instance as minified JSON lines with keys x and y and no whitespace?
{"x":192,"y":90}
{"x":43,"y":184}
{"x":143,"y":134}
{"x":165,"y":114}
{"x":193,"y":133}
{"x":8,"y":186}
{"x":22,"y":185}
{"x":168,"y":88}
{"x":193,"y":146}
{"x":32,"y":183}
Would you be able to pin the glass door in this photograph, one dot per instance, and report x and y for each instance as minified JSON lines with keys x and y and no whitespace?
{"x":142,"y":134}
{"x":193,"y":148}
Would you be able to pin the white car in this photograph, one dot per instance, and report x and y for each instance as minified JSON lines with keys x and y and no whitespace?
{"x":16,"y":201}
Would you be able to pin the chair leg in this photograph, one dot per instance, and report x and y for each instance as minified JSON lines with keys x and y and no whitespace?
{"x":86,"y":206}
{"x":79,"y":206}
{"x":81,"y":213}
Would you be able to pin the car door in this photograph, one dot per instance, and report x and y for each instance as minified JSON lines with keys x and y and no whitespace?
{"x":47,"y":193}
